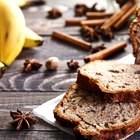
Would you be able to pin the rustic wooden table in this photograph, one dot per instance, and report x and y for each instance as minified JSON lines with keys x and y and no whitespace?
{"x":27,"y":91}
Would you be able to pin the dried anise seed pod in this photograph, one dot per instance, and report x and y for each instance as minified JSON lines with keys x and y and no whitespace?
{"x":80,"y":9}
{"x":98,"y":48}
{"x":54,"y":13}
{"x":21,"y":120}
{"x":94,"y":9}
{"x":89,"y":33}
{"x":73,"y":65}
{"x":106,"y":34}
{"x":31,"y":65}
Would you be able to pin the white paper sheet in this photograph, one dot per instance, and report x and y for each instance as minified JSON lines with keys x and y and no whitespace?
{"x":45,"y":111}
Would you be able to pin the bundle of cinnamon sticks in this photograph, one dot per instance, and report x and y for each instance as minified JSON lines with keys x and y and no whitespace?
{"x":104,"y":19}
{"x":103,"y":22}
{"x":121,"y":16}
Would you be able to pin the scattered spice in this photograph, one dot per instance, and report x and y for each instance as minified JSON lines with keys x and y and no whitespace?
{"x":80,"y":9}
{"x":21,"y":120}
{"x":106,"y":34}
{"x":106,"y":52}
{"x":73,"y":65}
{"x":98,"y":48}
{"x":54,"y":13}
{"x":52,"y":63}
{"x":72,"y":39}
{"x":89,"y":33}
{"x":31,"y":65}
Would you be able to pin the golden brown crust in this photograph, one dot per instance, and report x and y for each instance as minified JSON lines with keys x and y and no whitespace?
{"x":134,"y":35}
{"x":121,"y":96}
{"x":65,"y":120}
{"x":89,"y":83}
{"x":113,"y":133}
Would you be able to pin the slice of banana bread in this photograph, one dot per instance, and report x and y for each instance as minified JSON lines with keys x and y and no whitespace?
{"x":134,"y":31}
{"x":117,"y":82}
{"x":94,"y":118}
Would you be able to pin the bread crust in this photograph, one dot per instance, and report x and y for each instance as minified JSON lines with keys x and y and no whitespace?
{"x":89,"y":83}
{"x":64,"y":120}
{"x":134,"y":23}
{"x":114,"y":133}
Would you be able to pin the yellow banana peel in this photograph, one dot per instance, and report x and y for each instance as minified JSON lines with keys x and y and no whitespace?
{"x":22,"y":3}
{"x":32,"y":39}
{"x":12,"y":25}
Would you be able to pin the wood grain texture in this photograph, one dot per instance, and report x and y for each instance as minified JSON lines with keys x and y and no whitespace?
{"x":43,"y":80}
{"x":26,"y":91}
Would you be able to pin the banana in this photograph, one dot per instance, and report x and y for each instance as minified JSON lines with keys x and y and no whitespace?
{"x":12,"y":26}
{"x":21,"y":3}
{"x":32,"y":39}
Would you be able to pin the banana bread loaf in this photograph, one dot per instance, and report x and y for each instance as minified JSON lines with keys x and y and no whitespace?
{"x":94,"y":118}
{"x":134,"y":31}
{"x":117,"y":82}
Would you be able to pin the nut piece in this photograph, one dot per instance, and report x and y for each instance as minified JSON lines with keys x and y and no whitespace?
{"x":52,"y":63}
{"x":73,"y":65}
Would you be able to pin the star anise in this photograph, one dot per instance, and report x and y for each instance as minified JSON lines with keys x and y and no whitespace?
{"x":54,"y":13}
{"x":80,"y":9}
{"x":21,"y":120}
{"x":89,"y":33}
{"x":31,"y":65}
{"x":98,"y":48}
{"x":73,"y":65}
{"x":106,"y":34}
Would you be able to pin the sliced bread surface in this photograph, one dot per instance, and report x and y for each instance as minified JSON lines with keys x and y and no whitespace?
{"x":95,"y":119}
{"x":118,"y":82}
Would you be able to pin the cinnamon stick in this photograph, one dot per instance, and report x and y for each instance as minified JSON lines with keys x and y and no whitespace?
{"x":123,"y":19}
{"x":98,"y":15}
{"x":115,"y":17}
{"x":105,"y":52}
{"x":72,"y":40}
{"x":73,"y":22}
{"x":95,"y":22}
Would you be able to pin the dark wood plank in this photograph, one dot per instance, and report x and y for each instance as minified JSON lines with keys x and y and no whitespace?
{"x":43,"y":80}
{"x":66,"y":51}
{"x":27,"y":91}
{"x":34,"y":135}
{"x":26,"y":101}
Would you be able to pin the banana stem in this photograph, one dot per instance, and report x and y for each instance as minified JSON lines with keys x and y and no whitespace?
{"x":2,"y":69}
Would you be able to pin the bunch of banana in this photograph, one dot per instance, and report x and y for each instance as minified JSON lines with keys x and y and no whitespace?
{"x":22,"y":3}
{"x":13,"y":32}
{"x":32,"y":39}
